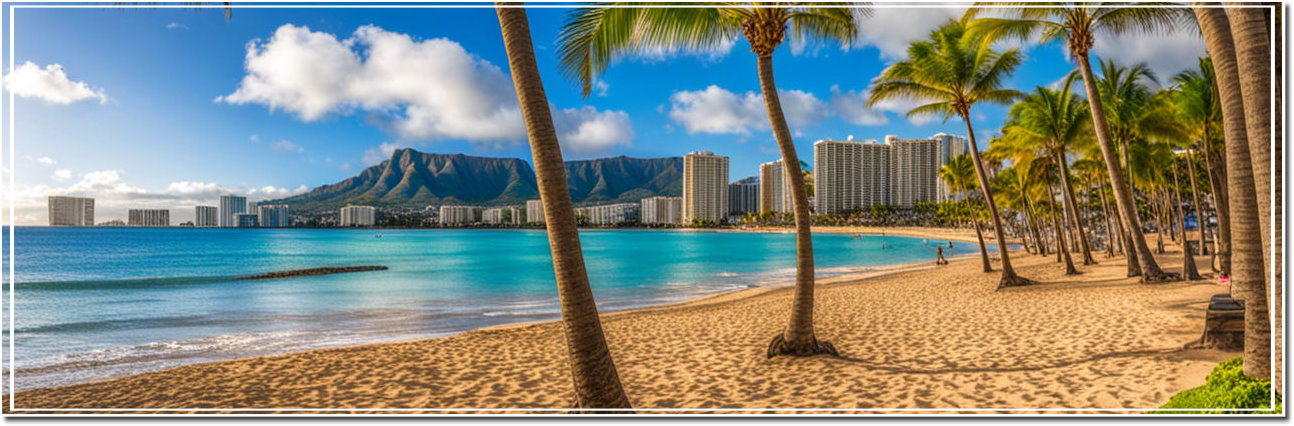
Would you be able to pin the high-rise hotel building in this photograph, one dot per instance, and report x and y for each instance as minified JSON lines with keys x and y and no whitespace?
{"x":914,"y":170}
{"x":273,"y":216}
{"x":206,"y":216}
{"x":661,"y":210}
{"x":71,"y":211}
{"x":230,"y":207}
{"x":358,"y":216}
{"x":534,"y":211}
{"x":148,"y":217}
{"x":743,"y":196}
{"x":849,"y":175}
{"x":774,"y":188}
{"x":458,"y":215}
{"x":950,"y":147}
{"x":705,"y":187}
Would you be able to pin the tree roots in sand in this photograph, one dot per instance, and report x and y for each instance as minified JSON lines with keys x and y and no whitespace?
{"x":1012,"y":280}
{"x":779,"y":346}
{"x":1161,"y":277}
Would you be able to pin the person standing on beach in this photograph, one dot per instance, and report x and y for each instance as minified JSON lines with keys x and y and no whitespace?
{"x":940,"y":259}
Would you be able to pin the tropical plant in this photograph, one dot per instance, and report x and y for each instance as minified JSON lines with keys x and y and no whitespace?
{"x":1054,"y":122}
{"x":1196,"y":95}
{"x":959,"y":174}
{"x":593,"y":37}
{"x":597,"y":385}
{"x":1247,"y":273}
{"x":952,"y":72}
{"x":1078,"y":24}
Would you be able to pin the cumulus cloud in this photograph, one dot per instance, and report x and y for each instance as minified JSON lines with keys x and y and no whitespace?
{"x":719,"y":111}
{"x":418,"y":90}
{"x":1165,"y":54}
{"x":286,"y":146}
{"x":62,"y":174}
{"x":589,"y":131}
{"x":114,"y":196}
{"x":49,"y":84}
{"x":379,"y":153}
{"x":46,"y":161}
{"x":891,"y":30}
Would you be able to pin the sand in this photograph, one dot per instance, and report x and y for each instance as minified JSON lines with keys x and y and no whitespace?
{"x":917,"y":338}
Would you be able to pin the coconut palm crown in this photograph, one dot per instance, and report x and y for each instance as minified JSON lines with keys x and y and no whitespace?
{"x":951,"y":72}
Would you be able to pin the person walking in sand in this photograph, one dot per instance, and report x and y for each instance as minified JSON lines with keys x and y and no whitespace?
{"x":940,"y":259}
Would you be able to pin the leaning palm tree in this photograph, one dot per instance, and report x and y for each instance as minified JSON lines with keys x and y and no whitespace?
{"x":959,"y":174}
{"x":1196,"y":95}
{"x":1189,"y":270}
{"x":1078,"y":24}
{"x":597,"y":385}
{"x":953,"y":72}
{"x":594,"y":37}
{"x":1055,"y":121}
{"x":1247,"y":273}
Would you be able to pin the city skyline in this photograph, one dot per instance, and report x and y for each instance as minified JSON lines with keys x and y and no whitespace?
{"x":265,"y":152}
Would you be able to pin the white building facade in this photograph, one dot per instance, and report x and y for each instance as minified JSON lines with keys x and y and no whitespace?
{"x":358,"y":216}
{"x":71,"y":211}
{"x":705,"y":187}
{"x":661,"y":210}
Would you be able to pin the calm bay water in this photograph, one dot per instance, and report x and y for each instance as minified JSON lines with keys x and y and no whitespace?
{"x":97,"y":303}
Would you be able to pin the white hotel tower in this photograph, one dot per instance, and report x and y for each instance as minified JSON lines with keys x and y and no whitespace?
{"x":705,"y":187}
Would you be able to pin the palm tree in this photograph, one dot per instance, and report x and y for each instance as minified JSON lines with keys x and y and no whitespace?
{"x":1055,"y":121}
{"x":593,"y":37}
{"x":1189,"y":270}
{"x":954,"y":72}
{"x":957,"y":174}
{"x":1195,"y":94}
{"x":1247,"y":274}
{"x":1078,"y":25}
{"x":1091,"y":171}
{"x":597,"y":385}
{"x":1253,"y":55}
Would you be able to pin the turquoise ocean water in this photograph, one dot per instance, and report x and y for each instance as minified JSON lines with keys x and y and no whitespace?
{"x":98,"y":303}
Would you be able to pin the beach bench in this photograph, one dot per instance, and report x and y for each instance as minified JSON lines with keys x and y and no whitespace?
{"x":1224,"y":324}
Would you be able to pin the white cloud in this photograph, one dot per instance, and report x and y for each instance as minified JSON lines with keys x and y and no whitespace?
{"x":49,"y":84}
{"x":891,"y":30}
{"x":254,"y":138}
{"x":46,"y":161}
{"x":286,"y":146}
{"x":1166,"y":54}
{"x":419,"y":90}
{"x":380,"y":153}
{"x":588,"y":131}
{"x":62,"y":175}
{"x":852,"y":107}
{"x":600,"y":88}
{"x":176,"y":26}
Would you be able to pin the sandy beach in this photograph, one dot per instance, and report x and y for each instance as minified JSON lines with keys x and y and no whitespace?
{"x":916,"y":337}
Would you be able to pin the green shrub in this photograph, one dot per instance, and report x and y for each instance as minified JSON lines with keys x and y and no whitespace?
{"x":1226,"y":387}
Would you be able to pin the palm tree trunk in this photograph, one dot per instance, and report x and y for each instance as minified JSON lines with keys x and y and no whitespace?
{"x":1215,"y":163}
{"x":1134,"y":233}
{"x":1122,"y":196}
{"x":1188,"y":258}
{"x":1247,"y":273}
{"x":597,"y":385}
{"x":798,"y":338}
{"x":1009,"y":277}
{"x":983,"y":250}
{"x":1113,"y":232}
{"x":1200,"y":219}
{"x":1035,"y":226}
{"x":1056,"y":213}
{"x":1073,"y":210}
{"x":1157,"y":208}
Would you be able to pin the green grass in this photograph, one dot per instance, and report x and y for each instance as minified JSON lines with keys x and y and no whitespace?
{"x":1226,"y":387}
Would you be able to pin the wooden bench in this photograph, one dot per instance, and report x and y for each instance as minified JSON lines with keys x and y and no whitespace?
{"x":1224,"y":324}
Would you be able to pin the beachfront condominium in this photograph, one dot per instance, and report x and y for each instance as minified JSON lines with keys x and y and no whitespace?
{"x":273,"y":216}
{"x":950,"y":146}
{"x":534,"y":211}
{"x":230,"y":207}
{"x":206,"y":216}
{"x":774,"y":193}
{"x":914,"y":170}
{"x":611,"y":214}
{"x":246,"y":220}
{"x":148,"y":217}
{"x":492,"y":216}
{"x":705,"y":187}
{"x":358,"y":216}
{"x":743,"y":196}
{"x":661,"y":210}
{"x":71,"y":211}
{"x":850,"y":175}
{"x":459,"y":215}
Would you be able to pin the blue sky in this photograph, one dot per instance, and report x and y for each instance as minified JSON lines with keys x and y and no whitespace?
{"x":165,"y":108}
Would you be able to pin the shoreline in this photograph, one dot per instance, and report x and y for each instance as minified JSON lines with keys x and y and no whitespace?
{"x":911,"y":336}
